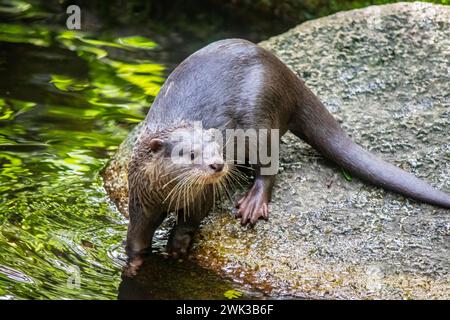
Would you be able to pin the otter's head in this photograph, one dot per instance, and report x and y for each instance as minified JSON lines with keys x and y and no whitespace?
{"x":196,"y":152}
{"x":181,"y":164}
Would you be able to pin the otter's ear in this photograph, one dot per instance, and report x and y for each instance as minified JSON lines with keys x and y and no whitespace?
{"x":156,"y":144}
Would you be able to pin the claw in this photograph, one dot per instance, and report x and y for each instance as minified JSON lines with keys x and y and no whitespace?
{"x":265,"y":211}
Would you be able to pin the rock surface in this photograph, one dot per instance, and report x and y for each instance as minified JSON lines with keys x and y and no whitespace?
{"x":383,"y":71}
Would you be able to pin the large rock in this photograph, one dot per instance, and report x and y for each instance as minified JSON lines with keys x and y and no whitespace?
{"x":383,"y":71}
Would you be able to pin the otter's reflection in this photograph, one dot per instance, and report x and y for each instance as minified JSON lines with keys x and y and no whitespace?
{"x":158,"y":277}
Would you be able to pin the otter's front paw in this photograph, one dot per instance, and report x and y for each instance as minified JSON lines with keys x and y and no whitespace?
{"x":178,"y":245}
{"x":253,"y":206}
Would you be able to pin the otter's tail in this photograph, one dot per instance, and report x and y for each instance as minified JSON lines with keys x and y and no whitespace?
{"x":314,"y":124}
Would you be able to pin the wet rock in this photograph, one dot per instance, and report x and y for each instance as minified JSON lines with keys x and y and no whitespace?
{"x":383,"y":71}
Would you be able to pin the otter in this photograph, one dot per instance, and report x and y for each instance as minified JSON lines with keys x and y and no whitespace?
{"x":235,"y":84}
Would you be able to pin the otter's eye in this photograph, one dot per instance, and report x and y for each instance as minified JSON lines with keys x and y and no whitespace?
{"x":192,"y":155}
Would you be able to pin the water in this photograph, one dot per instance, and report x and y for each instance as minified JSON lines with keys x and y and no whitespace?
{"x":65,"y":107}
{"x":67,"y":100}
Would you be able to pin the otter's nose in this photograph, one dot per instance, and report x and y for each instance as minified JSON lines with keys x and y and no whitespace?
{"x":217,"y":167}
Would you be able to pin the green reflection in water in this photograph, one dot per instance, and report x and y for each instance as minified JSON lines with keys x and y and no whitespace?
{"x":65,"y":105}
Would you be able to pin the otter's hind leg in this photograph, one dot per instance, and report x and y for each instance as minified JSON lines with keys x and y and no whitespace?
{"x":181,"y":236}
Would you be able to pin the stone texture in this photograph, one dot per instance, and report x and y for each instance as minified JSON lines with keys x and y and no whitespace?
{"x":383,"y":71}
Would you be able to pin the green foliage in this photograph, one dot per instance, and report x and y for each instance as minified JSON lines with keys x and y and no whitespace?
{"x":346,"y":175}
{"x":232,"y":294}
